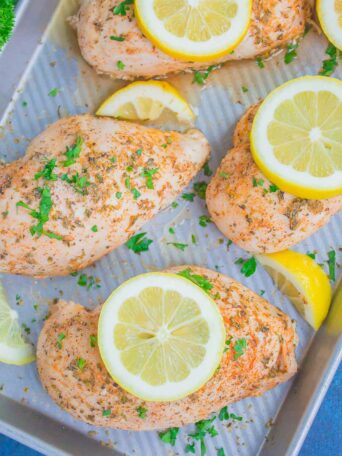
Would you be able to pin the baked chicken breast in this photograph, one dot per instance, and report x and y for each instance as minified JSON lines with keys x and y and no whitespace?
{"x":85,"y":186}
{"x":273,"y":25}
{"x":268,"y":360}
{"x":259,"y":218}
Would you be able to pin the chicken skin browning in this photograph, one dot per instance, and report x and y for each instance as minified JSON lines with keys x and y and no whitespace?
{"x":274,"y":23}
{"x":258,"y":217}
{"x":85,"y":186}
{"x":268,"y":360}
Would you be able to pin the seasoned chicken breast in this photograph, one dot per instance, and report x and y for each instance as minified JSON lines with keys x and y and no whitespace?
{"x":85,"y":186}
{"x":268,"y":360}
{"x":254,"y":214}
{"x":274,"y":23}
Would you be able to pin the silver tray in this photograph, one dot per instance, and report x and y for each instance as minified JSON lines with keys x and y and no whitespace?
{"x":43,"y":55}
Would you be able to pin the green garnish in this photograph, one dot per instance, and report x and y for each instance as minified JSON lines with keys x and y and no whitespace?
{"x":117,"y":38}
{"x":197,"y":279}
{"x":188,"y":197}
{"x":136,"y":194}
{"x":169,"y":436}
{"x":94,"y":229}
{"x":120,"y":65}
{"x":171,"y":230}
{"x":149,"y":173}
{"x":227,"y":344}
{"x":331,"y":264}
{"x":174,"y":205}
{"x":93,"y":341}
{"x":47,"y":172}
{"x":193,"y":239}
{"x":207,"y":171}
{"x":257,"y":182}
{"x":311,"y":255}
{"x":224,"y":175}
{"x":53,"y":92}
{"x":225,"y":415}
{"x":291,"y":53}
{"x":229,"y":243}
{"x":7,"y":19}
{"x":178,"y":245}
{"x":139,"y":243}
{"x":60,"y":337}
{"x":122,"y":7}
{"x":107,"y":412}
{"x":240,"y":346}
{"x":248,"y":266}
{"x":201,"y":76}
{"x":78,"y":183}
{"x":142,"y":412}
{"x":190,"y":448}
{"x":262,"y":292}
{"x":81,"y":363}
{"x":88,"y":281}
{"x":42,"y":215}
{"x":329,"y":65}
{"x":273,"y":188}
{"x":73,"y":152}
{"x":138,"y":152}
{"x":220,"y":452}
{"x":204,"y":220}
{"x":200,"y":189}
{"x":128,"y":183}
{"x":204,"y":427}
{"x":244,"y":89}
{"x":118,"y":195}
{"x":260,"y":62}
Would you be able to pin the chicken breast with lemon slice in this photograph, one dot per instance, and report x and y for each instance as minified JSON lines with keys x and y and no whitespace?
{"x":251,"y":211}
{"x":85,"y":186}
{"x":273,"y":25}
{"x":269,"y":359}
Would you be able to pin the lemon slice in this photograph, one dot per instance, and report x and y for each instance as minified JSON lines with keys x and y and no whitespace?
{"x":13,"y":348}
{"x":296,"y":137}
{"x":196,"y":30}
{"x":146,"y":100}
{"x":303,"y":281}
{"x":329,"y":13}
{"x":160,"y":336}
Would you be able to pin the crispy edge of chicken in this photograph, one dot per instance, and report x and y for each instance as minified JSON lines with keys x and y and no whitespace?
{"x":256,"y":220}
{"x":274,"y":23}
{"x":268,"y":360}
{"x":94,"y":218}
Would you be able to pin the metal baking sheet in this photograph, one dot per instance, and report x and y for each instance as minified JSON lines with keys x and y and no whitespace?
{"x":43,"y":55}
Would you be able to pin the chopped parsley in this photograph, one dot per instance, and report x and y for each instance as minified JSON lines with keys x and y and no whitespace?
{"x":94,"y":229}
{"x":248,"y":266}
{"x":197,"y":279}
{"x":207,"y":171}
{"x":93,"y":341}
{"x":174,"y":205}
{"x":329,"y":65}
{"x":169,"y":436}
{"x":138,"y":152}
{"x":60,"y":337}
{"x":53,"y":92}
{"x":136,"y":194}
{"x":260,"y":62}
{"x":117,"y":38}
{"x":190,"y":448}
{"x":204,"y":427}
{"x":178,"y":245}
{"x":204,"y":220}
{"x":244,"y":89}
{"x":273,"y":188}
{"x":225,"y":415}
{"x":188,"y":197}
{"x":200,"y":189}
{"x":262,"y":292}
{"x":200,"y":77}
{"x":291,"y":53}
{"x":81,"y":363}
{"x":220,"y":452}
{"x":240,"y":346}
{"x":149,"y":173}
{"x":106,"y":412}
{"x":227,"y":344}
{"x":257,"y":182}
{"x":171,"y":230}
{"x":88,"y":281}
{"x":139,"y":243}
{"x":311,"y":255}
{"x":142,"y":412}
{"x":121,"y":8}
{"x":73,"y":152}
{"x":120,"y":65}
{"x":78,"y":183}
{"x":331,"y":264}
{"x":42,"y":215}
{"x":193,"y":239}
{"x":118,"y":195}
{"x":47,"y":172}
{"x":229,"y":243}
{"x":224,"y":175}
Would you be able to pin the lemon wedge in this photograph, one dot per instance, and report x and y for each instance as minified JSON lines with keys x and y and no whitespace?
{"x":13,"y":348}
{"x":303,"y":281}
{"x":146,"y":100}
{"x":296,"y":137}
{"x":160,"y":336}
{"x":329,"y":13}
{"x":195,"y":30}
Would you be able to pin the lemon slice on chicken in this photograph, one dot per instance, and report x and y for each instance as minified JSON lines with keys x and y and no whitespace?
{"x":146,"y":100}
{"x":195,"y":30}
{"x":13,"y":348}
{"x":160,"y":336}
{"x":296,"y":138}
{"x":329,"y":13}
{"x":303,"y":281}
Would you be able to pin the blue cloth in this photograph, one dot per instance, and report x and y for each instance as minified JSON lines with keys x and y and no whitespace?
{"x":324,"y":438}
